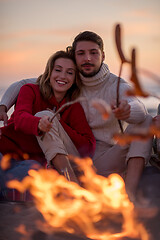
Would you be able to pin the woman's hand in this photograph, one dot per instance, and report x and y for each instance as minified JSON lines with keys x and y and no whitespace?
{"x":44,"y":124}
{"x":3,"y":114}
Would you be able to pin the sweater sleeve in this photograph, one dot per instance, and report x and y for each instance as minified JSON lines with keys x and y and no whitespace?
{"x":10,"y":96}
{"x":138,"y":111}
{"x":23,"y":114}
{"x":79,"y":131}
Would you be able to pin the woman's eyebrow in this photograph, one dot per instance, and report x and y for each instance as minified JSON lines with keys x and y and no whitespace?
{"x":58,"y":66}
{"x":67,"y":68}
{"x":71,"y":69}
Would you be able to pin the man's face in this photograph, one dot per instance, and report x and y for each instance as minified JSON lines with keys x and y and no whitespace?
{"x":89,"y":58}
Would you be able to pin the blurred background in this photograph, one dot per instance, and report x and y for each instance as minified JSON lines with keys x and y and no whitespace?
{"x":33,"y":30}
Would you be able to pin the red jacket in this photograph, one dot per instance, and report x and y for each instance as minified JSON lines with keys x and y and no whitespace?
{"x":23,"y":125}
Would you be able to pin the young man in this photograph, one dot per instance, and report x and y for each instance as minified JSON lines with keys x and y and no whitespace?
{"x":98,"y":82}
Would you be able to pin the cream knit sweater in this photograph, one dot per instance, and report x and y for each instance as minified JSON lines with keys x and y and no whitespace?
{"x":103,"y":85}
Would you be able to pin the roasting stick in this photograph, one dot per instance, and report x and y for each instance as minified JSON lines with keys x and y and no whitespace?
{"x":63,"y":106}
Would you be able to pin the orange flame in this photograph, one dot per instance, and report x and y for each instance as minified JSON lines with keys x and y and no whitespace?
{"x":5,"y":161}
{"x":21,"y":229}
{"x":67,"y":206}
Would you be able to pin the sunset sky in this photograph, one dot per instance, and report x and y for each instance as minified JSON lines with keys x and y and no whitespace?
{"x":31,"y":30}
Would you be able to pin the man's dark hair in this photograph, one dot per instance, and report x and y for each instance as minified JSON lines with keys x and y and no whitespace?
{"x":87,"y":36}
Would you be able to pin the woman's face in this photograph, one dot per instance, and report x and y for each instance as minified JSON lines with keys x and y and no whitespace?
{"x":62,"y":77}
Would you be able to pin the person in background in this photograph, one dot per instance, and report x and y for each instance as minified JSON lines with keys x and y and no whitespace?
{"x":69,"y":133}
{"x":155,"y":157}
{"x":156,"y":121}
{"x":98,"y":82}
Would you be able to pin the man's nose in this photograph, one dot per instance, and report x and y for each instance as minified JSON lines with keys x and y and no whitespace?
{"x":87,"y":57}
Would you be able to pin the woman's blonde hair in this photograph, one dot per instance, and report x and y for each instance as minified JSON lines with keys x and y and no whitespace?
{"x":44,"y":80}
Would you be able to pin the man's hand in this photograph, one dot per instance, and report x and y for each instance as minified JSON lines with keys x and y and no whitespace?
{"x":122,"y":112}
{"x":3,"y":114}
{"x":44,"y":124}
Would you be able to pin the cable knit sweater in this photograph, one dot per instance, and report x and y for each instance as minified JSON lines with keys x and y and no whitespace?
{"x":103,"y":85}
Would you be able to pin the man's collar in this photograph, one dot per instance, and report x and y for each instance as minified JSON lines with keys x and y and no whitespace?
{"x":96,"y":79}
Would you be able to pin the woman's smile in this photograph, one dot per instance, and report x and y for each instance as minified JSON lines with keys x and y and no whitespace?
{"x":62,"y":77}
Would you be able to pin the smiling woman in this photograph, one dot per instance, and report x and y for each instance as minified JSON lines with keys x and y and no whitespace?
{"x":62,"y":77}
{"x":69,"y":133}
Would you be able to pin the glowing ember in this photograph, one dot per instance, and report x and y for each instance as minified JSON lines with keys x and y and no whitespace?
{"x":140,"y":134}
{"x":87,"y":211}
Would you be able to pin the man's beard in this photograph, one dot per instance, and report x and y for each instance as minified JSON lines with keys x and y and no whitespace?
{"x":84,"y":74}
